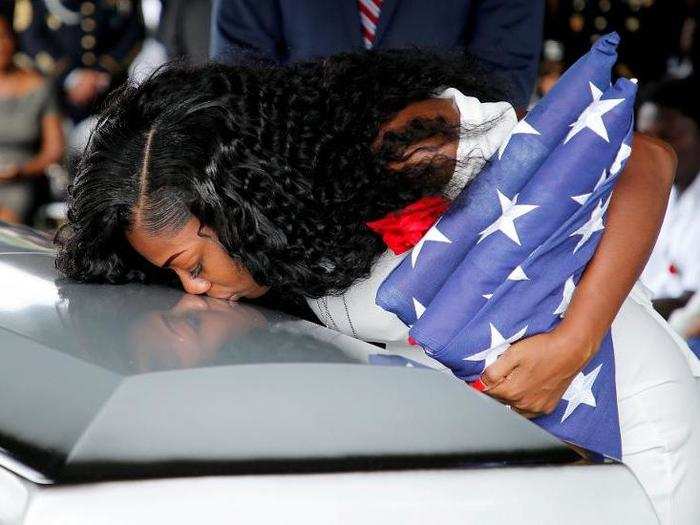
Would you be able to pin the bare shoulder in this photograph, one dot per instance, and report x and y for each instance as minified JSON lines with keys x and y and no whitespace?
{"x":654,"y":151}
{"x":654,"y":158}
{"x":31,"y":80}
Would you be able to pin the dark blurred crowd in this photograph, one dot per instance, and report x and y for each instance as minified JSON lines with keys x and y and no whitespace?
{"x":60,"y":59}
{"x":661,"y":48}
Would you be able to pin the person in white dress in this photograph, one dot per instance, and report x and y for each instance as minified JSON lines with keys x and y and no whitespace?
{"x":658,"y":400}
{"x":671,"y":112}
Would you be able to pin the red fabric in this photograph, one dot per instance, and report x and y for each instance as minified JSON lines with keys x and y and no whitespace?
{"x":478,"y":385}
{"x":368,"y":13}
{"x":401,"y":230}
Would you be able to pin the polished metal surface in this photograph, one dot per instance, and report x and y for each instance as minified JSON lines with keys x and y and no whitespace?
{"x":101,"y":381}
{"x":21,"y":239}
{"x":570,"y":495}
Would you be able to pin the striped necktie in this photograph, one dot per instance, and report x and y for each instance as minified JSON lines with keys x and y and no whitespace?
{"x":369,"y":17}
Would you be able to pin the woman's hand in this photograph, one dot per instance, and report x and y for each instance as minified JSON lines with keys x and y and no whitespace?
{"x":533,"y":374}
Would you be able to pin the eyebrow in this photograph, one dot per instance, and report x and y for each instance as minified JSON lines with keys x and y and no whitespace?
{"x":171,"y":259}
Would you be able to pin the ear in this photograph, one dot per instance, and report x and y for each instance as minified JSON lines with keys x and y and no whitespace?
{"x":207,"y":231}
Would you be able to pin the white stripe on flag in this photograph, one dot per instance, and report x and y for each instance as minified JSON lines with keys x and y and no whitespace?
{"x":368,"y":23}
{"x":371,"y":6}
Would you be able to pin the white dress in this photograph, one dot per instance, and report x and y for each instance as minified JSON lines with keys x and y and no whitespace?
{"x":658,"y":397}
{"x":674,"y":266}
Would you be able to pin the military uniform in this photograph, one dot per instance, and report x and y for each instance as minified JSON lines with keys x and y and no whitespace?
{"x":650,"y":31}
{"x":6,"y":10}
{"x":61,"y":36}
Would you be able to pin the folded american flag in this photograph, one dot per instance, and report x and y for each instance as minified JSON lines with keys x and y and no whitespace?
{"x":503,"y":261}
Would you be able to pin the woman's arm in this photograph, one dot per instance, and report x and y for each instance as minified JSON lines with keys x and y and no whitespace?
{"x":51,"y":147}
{"x":533,"y":374}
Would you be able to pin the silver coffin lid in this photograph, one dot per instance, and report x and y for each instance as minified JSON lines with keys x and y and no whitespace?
{"x":107,"y":382}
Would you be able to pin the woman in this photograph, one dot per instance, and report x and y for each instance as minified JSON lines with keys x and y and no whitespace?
{"x":31,"y":136}
{"x":241,"y":181}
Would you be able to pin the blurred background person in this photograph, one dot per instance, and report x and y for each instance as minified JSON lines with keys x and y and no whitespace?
{"x":551,"y":68}
{"x":506,"y":35}
{"x":153,"y":53}
{"x":671,"y":112}
{"x":31,"y":135}
{"x":86,"y":45}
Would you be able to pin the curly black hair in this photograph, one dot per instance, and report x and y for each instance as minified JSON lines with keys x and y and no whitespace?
{"x":278,"y":160}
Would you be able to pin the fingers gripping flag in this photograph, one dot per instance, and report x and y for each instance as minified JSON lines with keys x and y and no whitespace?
{"x":519,"y":239}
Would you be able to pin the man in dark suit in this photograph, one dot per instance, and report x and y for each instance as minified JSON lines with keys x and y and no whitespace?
{"x":184,"y":29}
{"x":505,"y":34}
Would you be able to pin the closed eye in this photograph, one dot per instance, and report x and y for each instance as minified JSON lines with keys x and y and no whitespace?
{"x":196,"y":271}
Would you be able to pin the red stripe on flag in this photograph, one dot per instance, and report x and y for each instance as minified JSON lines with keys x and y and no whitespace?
{"x":364,"y":9}
{"x":377,"y":3}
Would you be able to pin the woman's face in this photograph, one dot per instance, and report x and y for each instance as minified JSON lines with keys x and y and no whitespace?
{"x":201,"y":263}
{"x":7,"y":44}
{"x":190,"y":333}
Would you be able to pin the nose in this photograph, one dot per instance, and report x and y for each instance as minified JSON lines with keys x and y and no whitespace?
{"x":194,"y":285}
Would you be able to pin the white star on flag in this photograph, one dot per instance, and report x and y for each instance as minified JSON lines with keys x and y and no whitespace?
{"x":487,"y":296}
{"x":594,"y":224}
{"x":518,"y":274}
{"x":418,"y":307}
{"x":580,"y":391}
{"x":581,"y":199}
{"x":592,"y":116}
{"x":433,"y":235}
{"x":622,"y":154}
{"x":510,"y":211}
{"x":521,"y":128}
{"x":569,"y":288}
{"x":498,"y":345}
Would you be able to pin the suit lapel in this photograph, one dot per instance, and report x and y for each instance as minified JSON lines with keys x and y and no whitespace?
{"x":351,"y":16}
{"x":388,"y":8}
